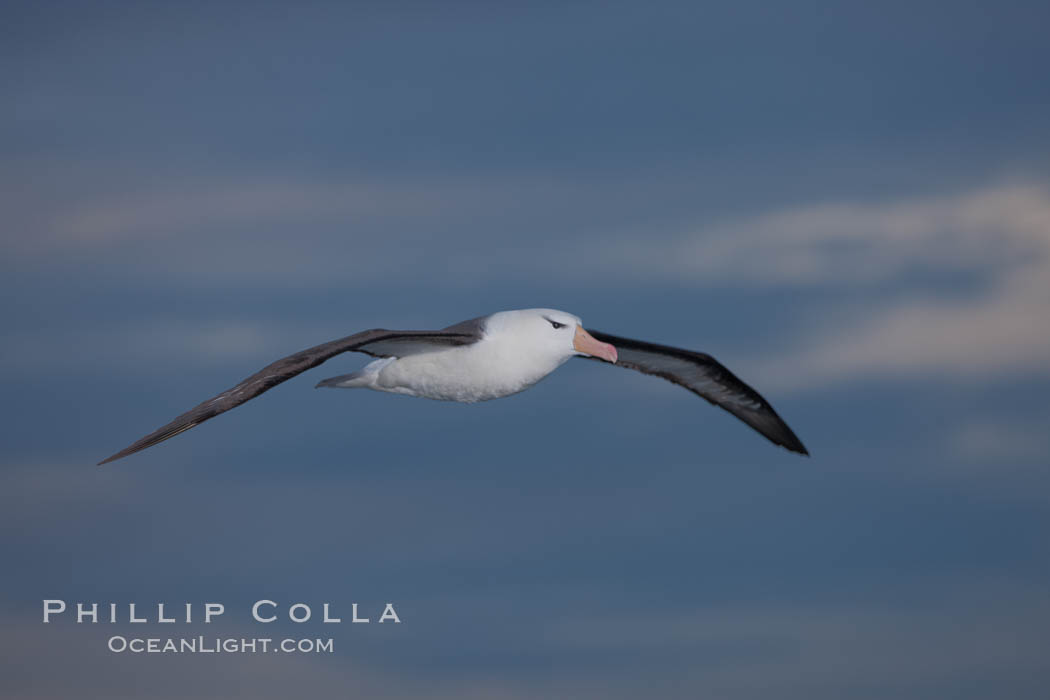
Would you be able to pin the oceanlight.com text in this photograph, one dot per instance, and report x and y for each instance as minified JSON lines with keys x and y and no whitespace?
{"x":218,"y":645}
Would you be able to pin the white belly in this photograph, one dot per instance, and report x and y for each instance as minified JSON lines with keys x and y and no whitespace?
{"x":467,"y":374}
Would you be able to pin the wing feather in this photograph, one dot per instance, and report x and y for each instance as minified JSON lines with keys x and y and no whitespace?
{"x":706,"y":377}
{"x":378,"y":342}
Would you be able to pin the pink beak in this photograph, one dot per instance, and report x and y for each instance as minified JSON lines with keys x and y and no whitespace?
{"x":584,"y":342}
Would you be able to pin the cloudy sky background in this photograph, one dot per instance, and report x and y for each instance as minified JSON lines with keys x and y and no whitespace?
{"x":846,"y":203}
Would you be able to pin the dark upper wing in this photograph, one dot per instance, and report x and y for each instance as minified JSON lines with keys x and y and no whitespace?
{"x":378,"y":343}
{"x":703,"y":375}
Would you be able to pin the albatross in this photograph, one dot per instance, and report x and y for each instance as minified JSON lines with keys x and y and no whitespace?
{"x":488,"y":358}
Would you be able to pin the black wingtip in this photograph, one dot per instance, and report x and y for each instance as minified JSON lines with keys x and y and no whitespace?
{"x":773,"y":428}
{"x":130,"y":450}
{"x":787,"y":439}
{"x":792,"y":443}
{"x":114,"y":457}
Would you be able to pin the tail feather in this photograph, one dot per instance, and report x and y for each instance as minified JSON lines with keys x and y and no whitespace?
{"x":362,"y":378}
{"x":353,"y":380}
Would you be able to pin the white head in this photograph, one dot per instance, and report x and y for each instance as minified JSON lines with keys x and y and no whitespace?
{"x":549,"y":334}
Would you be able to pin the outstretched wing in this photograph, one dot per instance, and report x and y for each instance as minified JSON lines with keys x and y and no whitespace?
{"x":703,"y":375}
{"x":378,"y":343}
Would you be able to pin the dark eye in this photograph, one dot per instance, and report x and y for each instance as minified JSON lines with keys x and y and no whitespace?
{"x":555,"y":324}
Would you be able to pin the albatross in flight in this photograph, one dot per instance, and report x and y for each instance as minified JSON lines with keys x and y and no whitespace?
{"x":489,"y":358}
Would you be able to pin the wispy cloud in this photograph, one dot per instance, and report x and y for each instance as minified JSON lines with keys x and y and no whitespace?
{"x":849,"y":243}
{"x":997,"y":326}
{"x":1004,"y":330}
{"x":362,"y":221}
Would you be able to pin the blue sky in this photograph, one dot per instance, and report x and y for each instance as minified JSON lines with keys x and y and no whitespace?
{"x":846,"y":203}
